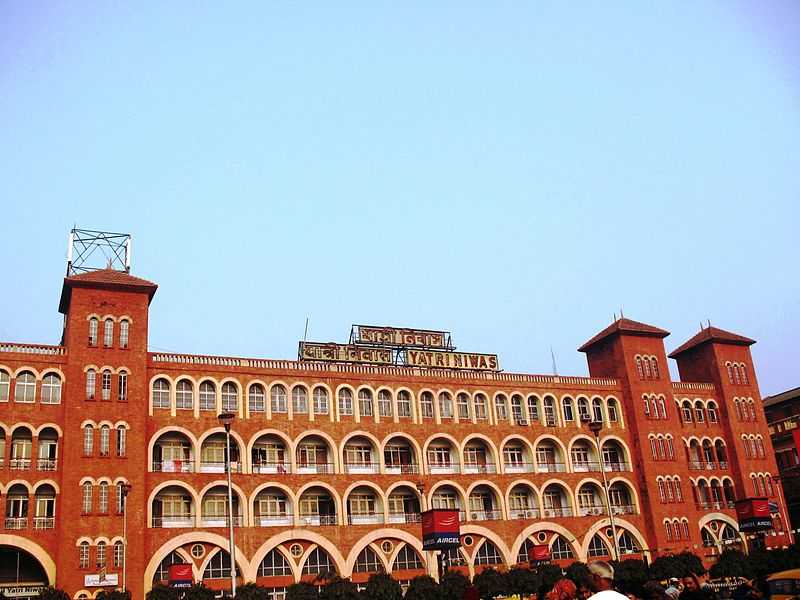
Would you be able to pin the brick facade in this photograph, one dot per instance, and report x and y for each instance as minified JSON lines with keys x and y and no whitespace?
{"x":317,"y":485}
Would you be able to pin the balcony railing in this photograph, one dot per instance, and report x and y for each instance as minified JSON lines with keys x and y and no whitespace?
{"x":723,"y":464}
{"x":615,"y":466}
{"x":281,"y":468}
{"x":485,"y":515}
{"x":46,"y":464}
{"x":365,"y":519}
{"x":411,"y":469}
{"x":16,"y":523}
{"x":585,"y":467}
{"x":715,"y":504}
{"x":591,"y":510}
{"x":405,"y":517}
{"x":320,"y":468}
{"x":471,"y":468}
{"x":523,"y":513}
{"x":318,"y":520}
{"x":19,"y":464}
{"x":518,"y":467}
{"x":44,"y":522}
{"x":623,"y":509}
{"x":177,"y":466}
{"x":220,"y":521}
{"x":209,"y":466}
{"x":557,"y":512}
{"x":443,"y":468}
{"x":548,"y":467}
{"x":273,"y":520}
{"x":362,"y":468}
{"x":174,"y":521}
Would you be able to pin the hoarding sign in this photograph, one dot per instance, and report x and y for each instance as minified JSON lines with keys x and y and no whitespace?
{"x":753,"y":515}
{"x":21,"y":590}
{"x":538,"y":552}
{"x":470,"y":361}
{"x":345,"y":353}
{"x":796,"y":438}
{"x":180,"y":575}
{"x":401,"y":337}
{"x":101,"y":580}
{"x":440,"y":529}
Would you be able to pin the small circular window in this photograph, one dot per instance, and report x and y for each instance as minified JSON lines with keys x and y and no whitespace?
{"x":198,"y":550}
{"x":714,"y":525}
{"x":468,"y":541}
{"x":387,"y":546}
{"x":296,"y":550}
{"x":541,"y":536}
{"x":609,"y":533}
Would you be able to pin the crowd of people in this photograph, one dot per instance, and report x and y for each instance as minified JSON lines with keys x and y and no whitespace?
{"x":599,"y":585}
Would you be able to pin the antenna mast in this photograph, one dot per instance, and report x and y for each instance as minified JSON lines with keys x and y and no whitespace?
{"x":90,"y":250}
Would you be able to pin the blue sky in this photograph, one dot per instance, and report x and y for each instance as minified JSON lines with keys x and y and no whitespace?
{"x":512,"y":172}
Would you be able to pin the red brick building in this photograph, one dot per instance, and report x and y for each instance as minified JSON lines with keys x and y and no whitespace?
{"x":332,"y":463}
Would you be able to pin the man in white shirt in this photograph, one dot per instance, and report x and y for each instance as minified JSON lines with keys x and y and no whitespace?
{"x":602,"y":582}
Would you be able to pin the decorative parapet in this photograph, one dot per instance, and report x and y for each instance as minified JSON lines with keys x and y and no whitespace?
{"x":292,"y":365}
{"x":32,"y":349}
{"x":686,"y":386}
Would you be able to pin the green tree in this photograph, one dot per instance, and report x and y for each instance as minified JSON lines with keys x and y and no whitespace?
{"x":490,"y":583}
{"x":732,"y":563}
{"x":381,"y":586}
{"x":163,"y":592}
{"x":338,"y":588}
{"x":452,"y":585}
{"x":548,"y":575}
{"x":302,"y":591}
{"x":422,"y":587}
{"x":198,"y":592}
{"x":113,"y":595}
{"x":578,"y":572}
{"x":676,"y":565}
{"x":53,"y":593}
{"x":251,"y":591}
{"x":522,"y":581}
{"x":630,"y":575}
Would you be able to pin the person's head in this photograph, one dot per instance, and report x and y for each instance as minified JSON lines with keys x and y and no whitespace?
{"x":690,"y":583}
{"x":584,"y":590}
{"x":674,"y":581}
{"x":652,"y":590}
{"x":563,"y":589}
{"x":602,"y":575}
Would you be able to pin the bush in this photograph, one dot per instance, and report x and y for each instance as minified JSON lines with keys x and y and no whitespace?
{"x":630,"y":575}
{"x":522,"y":581}
{"x":339,"y":589}
{"x":382,"y":587}
{"x":677,"y":565}
{"x":490,"y":583}
{"x":113,"y":595}
{"x":732,"y":563}
{"x":162,"y":592}
{"x":53,"y":593}
{"x":422,"y":587}
{"x":251,"y":591}
{"x":578,"y":572}
{"x":302,"y":591}
{"x":548,"y":575}
{"x":198,"y":592}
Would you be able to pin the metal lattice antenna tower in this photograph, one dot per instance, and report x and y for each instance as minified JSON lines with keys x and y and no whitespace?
{"x":86,"y":247}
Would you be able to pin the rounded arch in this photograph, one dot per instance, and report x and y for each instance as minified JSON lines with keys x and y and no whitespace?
{"x":563,"y":485}
{"x":454,"y":485}
{"x":376,"y":443}
{"x":373,"y":536}
{"x":52,"y":426}
{"x":515,"y":437}
{"x":408,"y":438}
{"x":478,"y":436}
{"x":26,"y":484}
{"x":332,"y":445}
{"x":49,"y":482}
{"x":544,"y":437}
{"x":441,"y":435}
{"x":171,"y":483}
{"x":634,"y":494}
{"x":292,"y":535}
{"x":570,"y":538}
{"x":243,"y":498}
{"x":403,"y":483}
{"x":493,"y":537}
{"x":337,"y":500}
{"x":620,"y":524}
{"x":524,"y":482}
{"x":24,"y":369}
{"x":35,"y":550}
{"x":170,"y":429}
{"x":269,"y":431}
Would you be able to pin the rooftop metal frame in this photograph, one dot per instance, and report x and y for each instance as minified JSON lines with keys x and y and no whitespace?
{"x":84,"y":244}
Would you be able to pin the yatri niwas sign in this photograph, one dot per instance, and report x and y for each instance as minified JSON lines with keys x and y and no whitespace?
{"x":452,"y":360}
{"x":345,"y":353}
{"x":401,"y":337}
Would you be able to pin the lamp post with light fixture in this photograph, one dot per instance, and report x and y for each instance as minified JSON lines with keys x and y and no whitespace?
{"x":226,"y":419}
{"x":595,"y":427}
{"x":125,"y":488}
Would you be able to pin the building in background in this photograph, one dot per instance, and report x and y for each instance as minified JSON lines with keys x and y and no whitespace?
{"x":783,"y":416}
{"x":333,"y":462}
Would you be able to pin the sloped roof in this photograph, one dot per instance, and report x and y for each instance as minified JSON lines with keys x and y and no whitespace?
{"x":712,"y":334}
{"x":628,"y":326}
{"x":782,"y":397}
{"x":104,"y":278}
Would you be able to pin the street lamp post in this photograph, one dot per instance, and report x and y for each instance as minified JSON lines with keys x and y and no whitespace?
{"x":125,"y":489}
{"x":595,"y":427}
{"x":227,"y":420}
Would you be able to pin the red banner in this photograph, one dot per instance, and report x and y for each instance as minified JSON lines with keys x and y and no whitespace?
{"x":538,"y":552}
{"x":796,"y":438}
{"x":180,"y":575}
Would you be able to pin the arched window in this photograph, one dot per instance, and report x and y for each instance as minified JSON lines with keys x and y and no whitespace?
{"x":108,"y":333}
{"x":686,"y":411}
{"x":463,"y":406}
{"x":597,"y":410}
{"x":760,"y":447}
{"x":385,"y":403}
{"x":321,"y":406}
{"x":407,"y":559}
{"x":83,"y":555}
{"x":662,"y":408}
{"x":736,"y":378}
{"x":184,"y":395}
{"x":86,"y":498}
{"x":583,"y":409}
{"x":208,"y":396}
{"x":445,"y":406}
{"x":365,"y":402}
{"x":426,"y":404}
{"x":161,"y":393}
{"x":533,"y":408}
{"x":646,"y":365}
{"x":103,"y":498}
{"x":88,"y":440}
{"x":566,"y":406}
{"x":93,"y":323}
{"x":488,"y":554}
{"x":318,"y":563}
{"x":105,"y":384}
{"x":654,"y":366}
{"x":560,"y":549}
{"x":744,"y":375}
{"x":501,"y":407}
{"x":654,"y":448}
{"x":274,"y":564}
{"x":769,"y":488}
{"x":51,"y":389}
{"x":299,"y":400}
{"x":730,"y":372}
{"x":403,"y":404}
{"x":550,"y":411}
{"x":662,"y":493}
{"x":752,"y":408}
{"x":367,"y":561}
{"x":712,"y":412}
{"x":278,"y":399}
{"x":118,"y":553}
{"x":668,"y":530}
{"x":230,"y":397}
{"x":639,"y":368}
{"x":647,"y":408}
{"x":626,"y":543}
{"x":597,"y":547}
{"x":120,"y":491}
{"x":219,"y":567}
{"x":105,"y":440}
{"x":121,"y":440}
{"x":613,"y":414}
{"x":678,"y":490}
{"x":345,"y":402}
{"x":122,"y":386}
{"x":25,"y":388}
{"x":124,"y":331}
{"x":101,"y":554}
{"x":699,"y":412}
{"x":5,"y":385}
{"x":256,"y":398}
{"x":670,"y":448}
{"x":516,"y":410}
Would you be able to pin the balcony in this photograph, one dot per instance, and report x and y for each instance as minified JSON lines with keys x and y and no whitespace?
{"x":557,"y":512}
{"x":361,"y":468}
{"x":473,"y":468}
{"x":44,"y":522}
{"x":318,"y":520}
{"x":715,"y":504}
{"x":410,"y":469}
{"x":46,"y":464}
{"x":16,"y":523}
{"x":281,"y":468}
{"x":613,"y":467}
{"x":19,"y":464}
{"x":551,"y":467}
{"x":523,"y":513}
{"x":175,"y":466}
{"x":586,"y":467}
{"x":518,"y":467}
{"x":174,"y":521}
{"x":486,"y":515}
{"x":219,"y":467}
{"x":623,"y":509}
{"x":365,"y":519}
{"x":220,"y":520}
{"x":405,"y":517}
{"x":443,"y":468}
{"x":274,"y":520}
{"x":319,"y":468}
{"x":593,"y":510}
